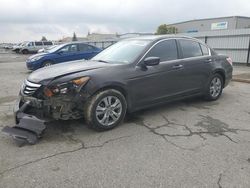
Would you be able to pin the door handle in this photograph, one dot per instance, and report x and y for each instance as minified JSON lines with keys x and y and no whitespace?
{"x":208,"y":60}
{"x":177,"y":67}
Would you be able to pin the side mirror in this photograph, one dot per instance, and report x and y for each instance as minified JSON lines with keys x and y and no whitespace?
{"x":151,"y":61}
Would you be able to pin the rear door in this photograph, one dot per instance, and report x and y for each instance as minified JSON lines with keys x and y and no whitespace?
{"x":196,"y":60}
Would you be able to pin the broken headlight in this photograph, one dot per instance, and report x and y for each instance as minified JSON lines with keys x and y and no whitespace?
{"x":66,"y":87}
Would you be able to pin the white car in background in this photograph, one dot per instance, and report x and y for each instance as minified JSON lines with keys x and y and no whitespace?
{"x":16,"y":48}
{"x":35,"y":46}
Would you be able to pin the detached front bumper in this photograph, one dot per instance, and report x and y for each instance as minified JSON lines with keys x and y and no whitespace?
{"x":28,"y":128}
{"x":22,"y":104}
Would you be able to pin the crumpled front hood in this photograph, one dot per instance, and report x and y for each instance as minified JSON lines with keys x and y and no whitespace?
{"x":49,"y":73}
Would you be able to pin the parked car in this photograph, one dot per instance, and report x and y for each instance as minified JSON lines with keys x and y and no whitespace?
{"x":8,"y":46}
{"x":33,"y":47}
{"x":62,"y":53}
{"x":128,"y":76}
{"x":16,"y":48}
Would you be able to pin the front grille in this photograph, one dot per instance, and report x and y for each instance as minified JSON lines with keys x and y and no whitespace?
{"x":29,"y":88}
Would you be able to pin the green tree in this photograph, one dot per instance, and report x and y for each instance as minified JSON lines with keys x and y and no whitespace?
{"x":74,"y":37}
{"x":165,"y":29}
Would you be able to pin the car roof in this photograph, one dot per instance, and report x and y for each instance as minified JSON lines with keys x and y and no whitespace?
{"x":76,"y":42}
{"x":160,"y":37}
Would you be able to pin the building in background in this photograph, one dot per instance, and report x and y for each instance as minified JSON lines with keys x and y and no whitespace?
{"x":130,"y":35}
{"x":212,"y":24}
{"x":101,"y":37}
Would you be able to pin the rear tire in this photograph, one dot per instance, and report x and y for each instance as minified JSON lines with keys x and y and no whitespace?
{"x":214,"y":87}
{"x":105,"y":110}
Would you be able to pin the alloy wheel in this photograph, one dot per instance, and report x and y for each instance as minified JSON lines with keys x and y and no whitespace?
{"x":108,"y":110}
{"x":215,"y":87}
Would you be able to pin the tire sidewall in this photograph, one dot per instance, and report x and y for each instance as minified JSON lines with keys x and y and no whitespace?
{"x":25,"y":51}
{"x":95,"y":123}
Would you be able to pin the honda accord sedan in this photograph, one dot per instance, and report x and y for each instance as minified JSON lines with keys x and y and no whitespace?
{"x":128,"y":76}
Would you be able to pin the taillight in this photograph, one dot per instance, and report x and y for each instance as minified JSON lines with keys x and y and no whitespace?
{"x":229,"y":60}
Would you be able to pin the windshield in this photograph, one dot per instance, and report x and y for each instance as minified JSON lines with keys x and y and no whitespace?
{"x":123,"y":52}
{"x":50,"y":48}
{"x":24,"y":44}
{"x":55,"y":48}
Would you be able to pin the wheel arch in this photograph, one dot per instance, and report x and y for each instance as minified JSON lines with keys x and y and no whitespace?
{"x":116,"y":86}
{"x":222,"y":73}
{"x":23,"y":49}
{"x":47,"y":60}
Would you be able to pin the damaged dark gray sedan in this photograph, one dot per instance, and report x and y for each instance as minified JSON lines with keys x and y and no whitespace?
{"x":128,"y":76}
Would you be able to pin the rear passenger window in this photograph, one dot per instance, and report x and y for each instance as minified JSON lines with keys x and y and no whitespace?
{"x":83,"y":47}
{"x":204,"y":49}
{"x":47,"y":43}
{"x":190,"y":48}
{"x":165,"y":50}
{"x":39,"y":43}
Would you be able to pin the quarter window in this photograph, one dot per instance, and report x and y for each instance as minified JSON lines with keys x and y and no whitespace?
{"x":190,"y":48}
{"x":165,"y":50}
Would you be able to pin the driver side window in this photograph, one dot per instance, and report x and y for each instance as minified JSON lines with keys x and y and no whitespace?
{"x":73,"y":47}
{"x":165,"y":50}
{"x":65,"y":49}
{"x":69,"y":48}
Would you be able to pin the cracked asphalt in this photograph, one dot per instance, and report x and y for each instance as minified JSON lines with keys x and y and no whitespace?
{"x":190,"y":143}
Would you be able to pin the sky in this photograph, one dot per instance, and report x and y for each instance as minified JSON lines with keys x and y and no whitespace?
{"x":24,"y":20}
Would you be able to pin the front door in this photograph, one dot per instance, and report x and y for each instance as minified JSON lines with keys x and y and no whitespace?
{"x":67,"y":53}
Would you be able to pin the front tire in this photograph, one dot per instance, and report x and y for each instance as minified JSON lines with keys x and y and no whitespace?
{"x":25,"y":51}
{"x":47,"y":63}
{"x":105,"y":110}
{"x":214,"y":87}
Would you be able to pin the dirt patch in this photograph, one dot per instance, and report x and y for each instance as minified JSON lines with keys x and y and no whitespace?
{"x":7,"y":99}
{"x":244,"y":77}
